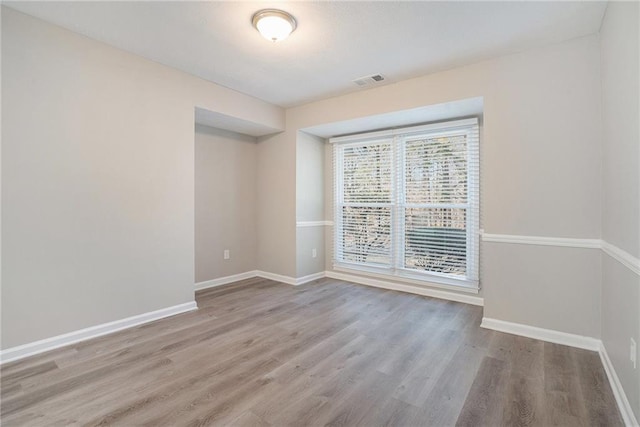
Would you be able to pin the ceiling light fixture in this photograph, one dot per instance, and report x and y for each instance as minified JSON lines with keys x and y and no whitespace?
{"x":274,"y":24}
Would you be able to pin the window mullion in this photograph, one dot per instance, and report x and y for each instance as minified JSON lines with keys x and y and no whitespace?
{"x":399,"y":201}
{"x":473,"y":203}
{"x":338,"y":194}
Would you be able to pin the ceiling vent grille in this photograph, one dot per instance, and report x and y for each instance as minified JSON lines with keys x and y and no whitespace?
{"x":369,"y":80}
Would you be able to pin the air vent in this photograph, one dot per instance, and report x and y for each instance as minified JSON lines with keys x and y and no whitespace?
{"x":369,"y":80}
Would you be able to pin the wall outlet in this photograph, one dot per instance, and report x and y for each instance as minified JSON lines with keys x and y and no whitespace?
{"x":314,"y":253}
{"x":226,"y":255}
{"x":633,"y":352}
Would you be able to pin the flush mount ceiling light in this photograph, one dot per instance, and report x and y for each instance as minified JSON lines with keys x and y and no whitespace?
{"x":274,"y":24}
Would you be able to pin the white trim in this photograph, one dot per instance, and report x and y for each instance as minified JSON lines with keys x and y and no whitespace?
{"x":385,"y":284}
{"x":257,"y":273}
{"x":432,"y":280}
{"x":47,"y":344}
{"x":314,"y":223}
{"x":623,"y":257}
{"x":542,"y":334}
{"x":448,"y":125}
{"x":224,"y":280}
{"x":620,"y":255}
{"x":543,"y":241}
{"x":277,"y":277}
{"x":310,"y":278}
{"x":618,"y":392}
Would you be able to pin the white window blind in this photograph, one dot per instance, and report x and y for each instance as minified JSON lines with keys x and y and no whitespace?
{"x":407,"y":202}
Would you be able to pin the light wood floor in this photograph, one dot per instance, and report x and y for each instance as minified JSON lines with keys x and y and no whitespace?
{"x":326,"y":353}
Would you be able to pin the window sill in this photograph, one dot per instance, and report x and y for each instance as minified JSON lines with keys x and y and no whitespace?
{"x":431,"y":281}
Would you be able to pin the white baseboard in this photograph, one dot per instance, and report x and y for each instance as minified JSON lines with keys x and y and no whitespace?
{"x":311,"y":277}
{"x":542,"y":334}
{"x":277,"y":277}
{"x":452,"y":296}
{"x":225,"y":280}
{"x":258,"y":273}
{"x":30,"y":349}
{"x":618,"y":392}
{"x":321,"y":223}
{"x":384,"y":284}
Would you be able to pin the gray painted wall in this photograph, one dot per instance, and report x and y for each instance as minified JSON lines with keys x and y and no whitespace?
{"x":309,"y":177}
{"x":310,"y":181}
{"x":277,"y":204}
{"x":553,"y":286}
{"x":621,"y":188}
{"x":225,"y":203}
{"x":97,"y":180}
{"x":308,"y":239}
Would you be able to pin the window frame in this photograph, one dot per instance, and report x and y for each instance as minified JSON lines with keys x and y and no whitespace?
{"x":397,"y":138}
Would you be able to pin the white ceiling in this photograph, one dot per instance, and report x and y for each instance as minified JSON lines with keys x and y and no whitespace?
{"x":335,"y":42}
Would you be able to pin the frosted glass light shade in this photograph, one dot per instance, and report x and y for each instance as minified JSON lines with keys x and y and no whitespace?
{"x":273,"y":24}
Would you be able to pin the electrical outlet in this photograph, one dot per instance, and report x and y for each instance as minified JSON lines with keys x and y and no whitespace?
{"x":633,"y":352}
{"x":314,"y":253}
{"x":226,"y":254}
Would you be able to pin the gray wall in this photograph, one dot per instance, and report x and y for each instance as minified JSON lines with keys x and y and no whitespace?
{"x":308,"y":239}
{"x":540,"y":164}
{"x":621,"y":189}
{"x":225,"y":203}
{"x":97,"y":179}
{"x":310,"y":203}
{"x":309,"y":177}
{"x":277,"y":204}
{"x":557,"y":287}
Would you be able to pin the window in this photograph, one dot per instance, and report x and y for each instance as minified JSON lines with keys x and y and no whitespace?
{"x":406,"y":202}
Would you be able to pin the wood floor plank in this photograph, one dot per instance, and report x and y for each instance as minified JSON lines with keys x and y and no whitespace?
{"x":307,"y":392}
{"x":261,"y":353}
{"x":10,"y":390}
{"x":525,"y":392}
{"x":563,"y":395}
{"x":249,"y":419}
{"x":316,"y":355}
{"x":367,"y":394}
{"x":596,"y":391}
{"x":321,"y":401}
{"x":391,"y":412}
{"x":53,"y":355}
{"x":21,"y":375}
{"x":484,"y":404}
{"x":443,"y":405}
{"x":418,"y":384}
